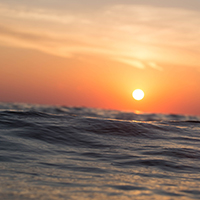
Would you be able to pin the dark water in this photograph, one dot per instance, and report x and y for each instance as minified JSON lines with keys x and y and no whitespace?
{"x":80,"y":153}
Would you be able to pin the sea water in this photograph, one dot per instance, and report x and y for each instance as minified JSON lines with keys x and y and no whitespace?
{"x":51,"y":152}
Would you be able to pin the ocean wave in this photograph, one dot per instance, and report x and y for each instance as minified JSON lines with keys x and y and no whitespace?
{"x":113,"y":153}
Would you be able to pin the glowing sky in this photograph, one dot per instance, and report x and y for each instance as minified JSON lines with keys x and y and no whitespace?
{"x":95,"y":53}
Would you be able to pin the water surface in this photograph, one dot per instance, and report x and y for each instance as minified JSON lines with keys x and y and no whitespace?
{"x":59,"y":153}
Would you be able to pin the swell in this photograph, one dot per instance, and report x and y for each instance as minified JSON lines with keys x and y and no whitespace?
{"x":110,"y":152}
{"x":77,"y":127}
{"x":67,"y":127}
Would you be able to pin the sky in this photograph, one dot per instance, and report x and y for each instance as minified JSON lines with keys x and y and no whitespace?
{"x":95,"y":53}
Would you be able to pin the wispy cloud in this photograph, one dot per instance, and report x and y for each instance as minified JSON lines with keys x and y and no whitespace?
{"x":155,"y":66}
{"x":132,"y":62}
{"x":140,"y":36}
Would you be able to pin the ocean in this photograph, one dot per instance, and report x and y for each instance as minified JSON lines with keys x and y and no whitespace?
{"x":58,"y":152}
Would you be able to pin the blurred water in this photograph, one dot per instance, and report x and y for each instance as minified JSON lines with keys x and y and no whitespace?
{"x":51,"y":152}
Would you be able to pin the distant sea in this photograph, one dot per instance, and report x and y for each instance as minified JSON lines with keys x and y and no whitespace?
{"x":54,"y":153}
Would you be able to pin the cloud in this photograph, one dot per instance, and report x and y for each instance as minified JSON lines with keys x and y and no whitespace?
{"x":155,"y":66}
{"x":93,"y":5}
{"x":132,"y":62}
{"x":138,"y":63}
{"x":137,"y":35}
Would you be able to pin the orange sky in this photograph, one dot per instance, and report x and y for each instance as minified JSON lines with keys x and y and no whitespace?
{"x":97,"y":56}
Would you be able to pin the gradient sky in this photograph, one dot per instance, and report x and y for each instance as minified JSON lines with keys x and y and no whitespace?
{"x":95,"y":53}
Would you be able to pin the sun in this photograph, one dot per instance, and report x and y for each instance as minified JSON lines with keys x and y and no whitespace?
{"x":138,"y":94}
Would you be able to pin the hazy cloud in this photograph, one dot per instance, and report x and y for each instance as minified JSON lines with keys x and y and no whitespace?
{"x":155,"y":66}
{"x":137,"y":35}
{"x":132,"y":62}
{"x":93,"y":5}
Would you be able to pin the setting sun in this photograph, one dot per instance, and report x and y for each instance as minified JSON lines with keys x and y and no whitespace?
{"x":138,"y":94}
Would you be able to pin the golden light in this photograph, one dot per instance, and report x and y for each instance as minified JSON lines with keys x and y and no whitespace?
{"x":138,"y":94}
